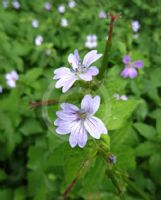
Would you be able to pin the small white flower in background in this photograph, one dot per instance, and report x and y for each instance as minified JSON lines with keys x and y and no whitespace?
{"x":102,"y":14}
{"x":5,"y":3}
{"x":135,"y":36}
{"x":47,"y":6}
{"x":135,"y":25}
{"x":61,"y":8}
{"x":11,"y":78}
{"x":39,"y":40}
{"x":64,"y":22}
{"x":35,"y":23}
{"x":72,"y":4}
{"x":80,"y":122}
{"x":1,"y":89}
{"x":81,"y":70}
{"x":120,"y":97}
{"x":16,"y":4}
{"x":91,"y":41}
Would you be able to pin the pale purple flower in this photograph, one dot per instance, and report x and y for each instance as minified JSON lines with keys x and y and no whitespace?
{"x":91,"y":41}
{"x":35,"y":23}
{"x":16,"y":4}
{"x":78,"y":122}
{"x":130,"y":69}
{"x":135,"y":25}
{"x":81,"y":70}
{"x":120,"y":97}
{"x":11,"y":78}
{"x":39,"y":40}
{"x":102,"y":14}
{"x":71,"y":4}
{"x":47,"y":6}
{"x":61,"y":8}
{"x":64,"y":22}
{"x":1,"y":89}
{"x":5,"y":3}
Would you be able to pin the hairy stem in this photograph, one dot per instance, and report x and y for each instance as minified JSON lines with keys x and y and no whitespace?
{"x":108,"y":46}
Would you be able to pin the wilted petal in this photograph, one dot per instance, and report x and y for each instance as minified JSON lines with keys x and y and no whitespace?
{"x":93,"y":71}
{"x":91,"y":57}
{"x":126,"y":59}
{"x":138,"y":64}
{"x":90,"y":104}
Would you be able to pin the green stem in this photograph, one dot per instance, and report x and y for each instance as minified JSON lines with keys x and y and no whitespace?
{"x":107,"y":48}
{"x":136,"y":189}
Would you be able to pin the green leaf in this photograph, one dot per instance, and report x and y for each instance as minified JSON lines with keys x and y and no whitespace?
{"x":145,"y":130}
{"x":155,"y":166}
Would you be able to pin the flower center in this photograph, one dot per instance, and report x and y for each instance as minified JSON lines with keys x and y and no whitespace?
{"x":82,"y":115}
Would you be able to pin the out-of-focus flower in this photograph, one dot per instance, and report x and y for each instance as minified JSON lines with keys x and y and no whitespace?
{"x":80,"y":70}
{"x":112,"y":159}
{"x":135,"y":36}
{"x":35,"y":23}
{"x":16,"y":4}
{"x":130,"y":67}
{"x":135,"y":25}
{"x":39,"y":40}
{"x":48,"y":52}
{"x":5,"y":3}
{"x":122,"y":97}
{"x":1,"y":89}
{"x":72,"y":4}
{"x":61,"y":8}
{"x":11,"y":78}
{"x":47,"y":6}
{"x":91,"y":41}
{"x":64,"y":22}
{"x":79,"y":122}
{"x":102,"y":14}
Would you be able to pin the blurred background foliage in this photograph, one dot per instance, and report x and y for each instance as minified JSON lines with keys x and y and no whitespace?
{"x":34,"y":162}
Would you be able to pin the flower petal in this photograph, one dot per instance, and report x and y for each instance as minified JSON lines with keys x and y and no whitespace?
{"x":95,"y":127}
{"x":90,"y":104}
{"x":74,"y":59}
{"x":82,"y":138}
{"x":62,"y":72}
{"x":70,"y":108}
{"x":73,"y":139}
{"x":93,"y":71}
{"x":126,"y":59}
{"x":85,"y":76}
{"x":129,"y":72}
{"x":91,"y":57}
{"x":138,"y":64}
{"x":66,"y":116}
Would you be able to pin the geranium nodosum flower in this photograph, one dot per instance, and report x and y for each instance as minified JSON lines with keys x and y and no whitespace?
{"x":79,"y":71}
{"x":11,"y":78}
{"x":130,"y":67}
{"x":79,"y":122}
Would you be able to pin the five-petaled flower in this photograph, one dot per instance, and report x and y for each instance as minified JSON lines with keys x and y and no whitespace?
{"x":130,"y":67}
{"x":81,"y":70}
{"x":79,"y":122}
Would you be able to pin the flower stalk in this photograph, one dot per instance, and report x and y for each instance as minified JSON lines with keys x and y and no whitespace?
{"x":108,"y":46}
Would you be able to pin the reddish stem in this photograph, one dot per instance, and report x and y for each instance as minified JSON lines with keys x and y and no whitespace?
{"x":43,"y":103}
